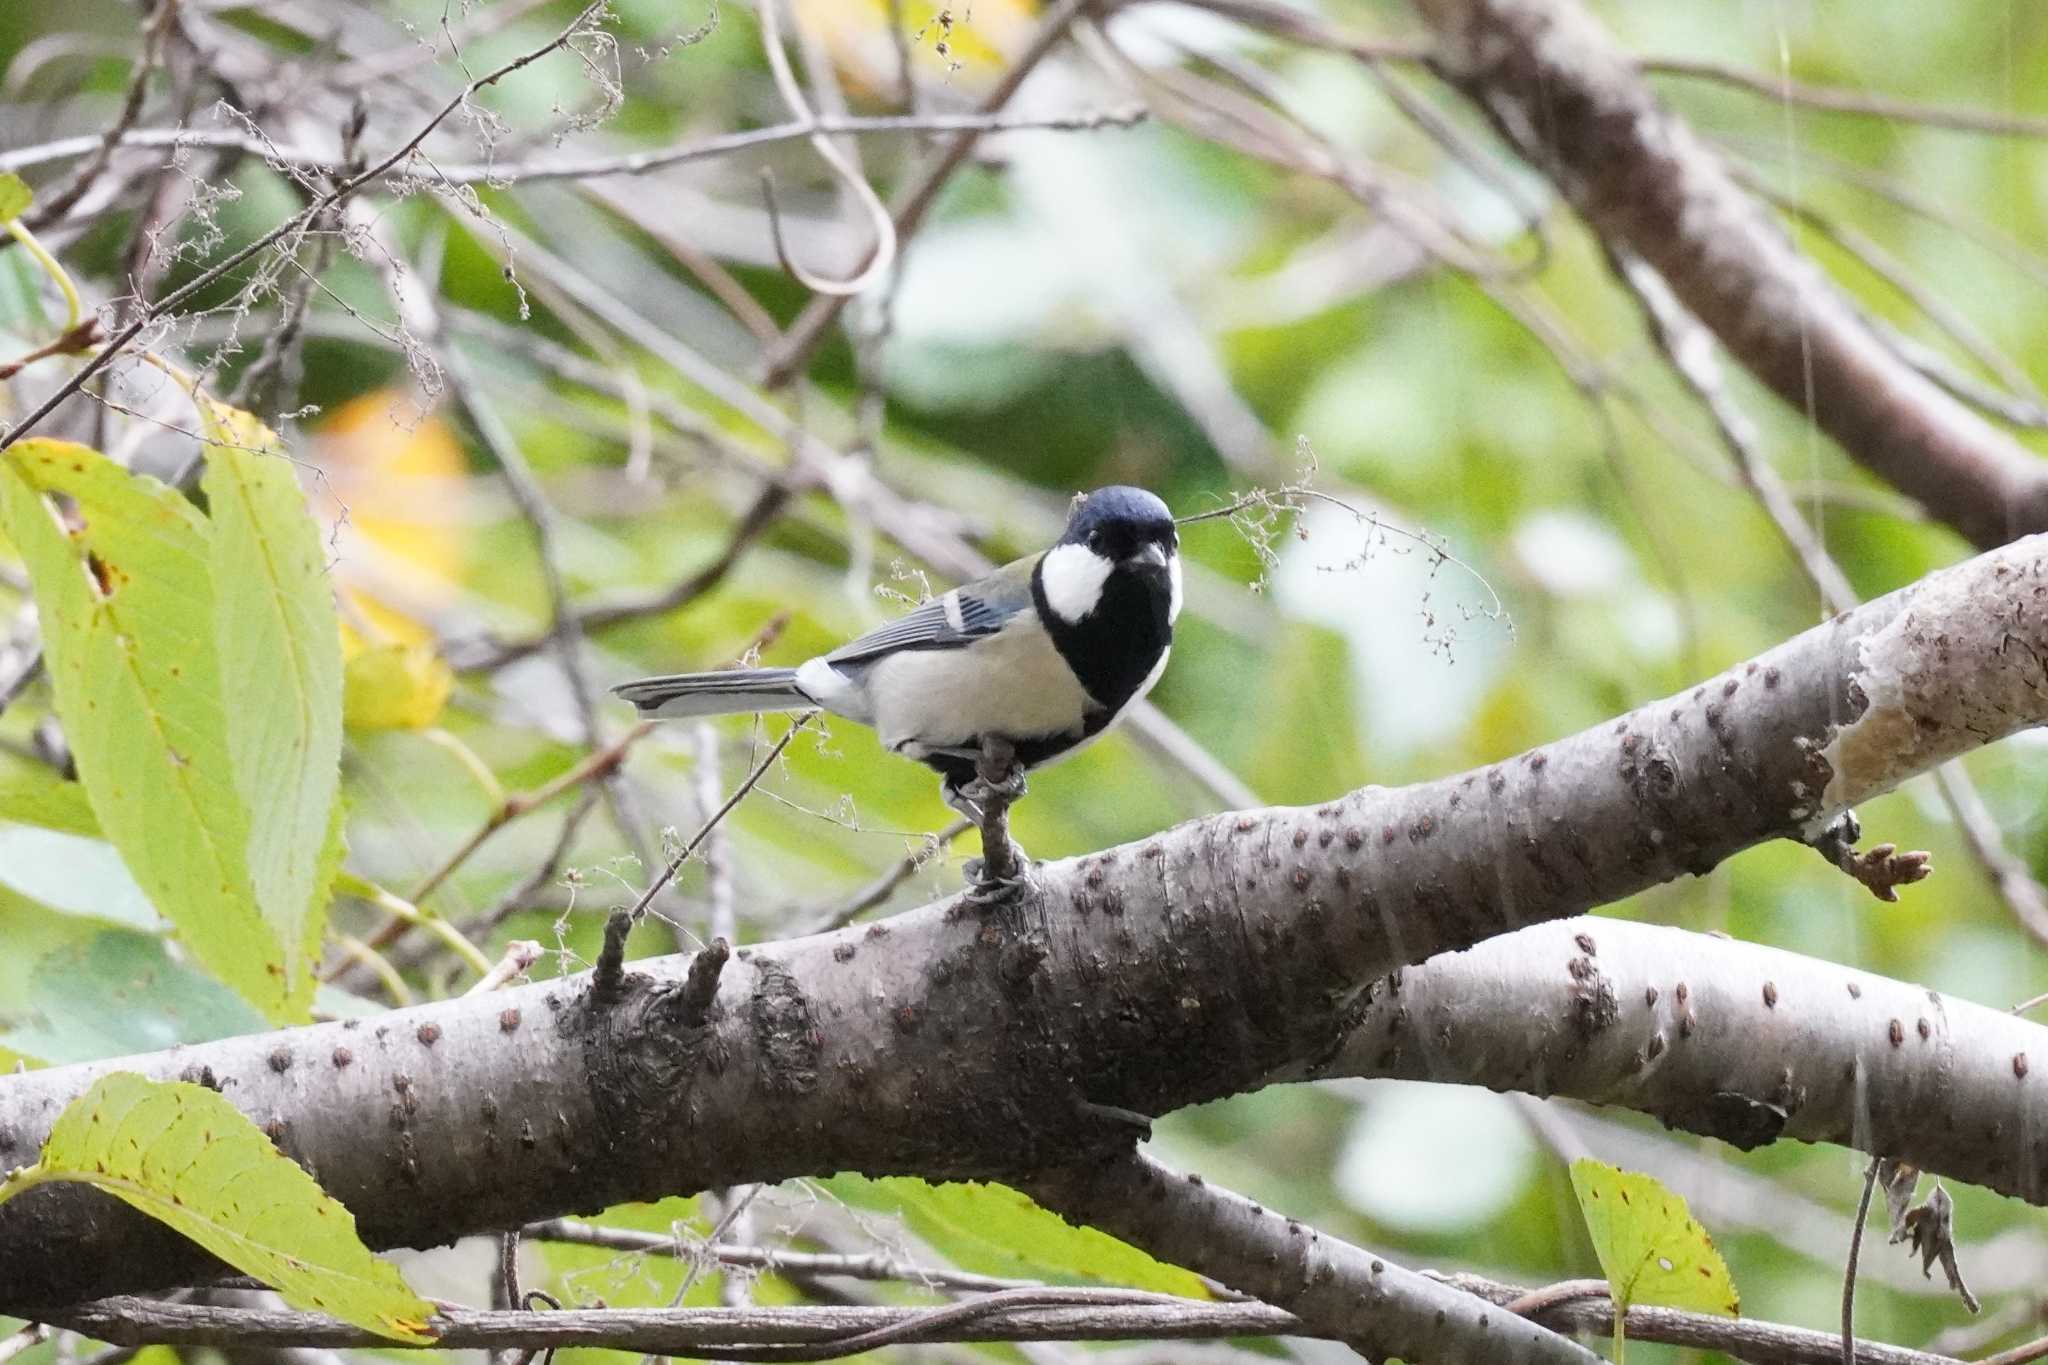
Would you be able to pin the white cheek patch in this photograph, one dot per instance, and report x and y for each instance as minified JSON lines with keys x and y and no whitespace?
{"x":1073,"y":576}
{"x":1173,"y":599}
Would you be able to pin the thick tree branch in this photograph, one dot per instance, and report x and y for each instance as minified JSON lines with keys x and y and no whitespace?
{"x":1194,"y":964}
{"x":1560,"y":91}
{"x":1732,"y":1040}
{"x":1376,"y":1306}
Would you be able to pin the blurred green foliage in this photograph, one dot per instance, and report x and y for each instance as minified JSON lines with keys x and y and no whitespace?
{"x":1089,"y":307}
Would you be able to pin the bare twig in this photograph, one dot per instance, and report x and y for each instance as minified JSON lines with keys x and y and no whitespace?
{"x":618,"y":609}
{"x":739,"y":794}
{"x":882,"y":254}
{"x":1835,"y":100}
{"x":881,"y":888}
{"x":455,"y":174}
{"x":1035,"y":1314}
{"x":808,"y":330}
{"x":797,"y":1264}
{"x":594,"y":767}
{"x":1749,"y":1339}
{"x":205,"y":279}
{"x":516,"y":897}
{"x":519,"y":955}
{"x":1849,"y":1265}
{"x":55,"y":206}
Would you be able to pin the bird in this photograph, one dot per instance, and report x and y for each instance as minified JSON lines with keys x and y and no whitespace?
{"x":1022,"y":666}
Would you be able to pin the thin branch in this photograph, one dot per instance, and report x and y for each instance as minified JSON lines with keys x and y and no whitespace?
{"x":882,"y":254}
{"x":712,"y":822}
{"x":205,"y":279}
{"x":622,"y":608}
{"x":1835,"y":100}
{"x":881,"y":888}
{"x":1036,"y":1314}
{"x":516,"y":897}
{"x":502,"y":174}
{"x":1342,"y":1290}
{"x":798,"y":1264}
{"x":593,"y":768}
{"x":1690,"y":351}
{"x":807,"y":332}
{"x":1747,"y":1339}
{"x":1849,"y":1265}
{"x":52,"y":208}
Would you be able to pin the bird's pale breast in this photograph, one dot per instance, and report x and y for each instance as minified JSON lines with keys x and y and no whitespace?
{"x":1012,"y":683}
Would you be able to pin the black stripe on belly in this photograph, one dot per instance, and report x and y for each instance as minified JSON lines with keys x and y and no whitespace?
{"x":1114,"y":648}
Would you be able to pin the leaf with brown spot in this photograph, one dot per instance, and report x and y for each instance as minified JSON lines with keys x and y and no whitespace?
{"x":189,"y":1159}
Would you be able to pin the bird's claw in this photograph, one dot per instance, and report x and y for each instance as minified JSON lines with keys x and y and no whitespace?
{"x":1009,"y":789}
{"x":984,"y":890}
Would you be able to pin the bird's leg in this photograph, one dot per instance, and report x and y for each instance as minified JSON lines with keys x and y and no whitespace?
{"x":998,"y":782}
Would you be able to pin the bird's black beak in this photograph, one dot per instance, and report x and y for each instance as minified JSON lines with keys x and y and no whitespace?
{"x":1151,"y":555}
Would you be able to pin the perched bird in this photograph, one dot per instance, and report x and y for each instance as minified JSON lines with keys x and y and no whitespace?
{"x":1036,"y":658}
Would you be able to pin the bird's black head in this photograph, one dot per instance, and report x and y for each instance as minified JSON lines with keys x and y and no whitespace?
{"x":1109,"y":591}
{"x":1119,"y":522}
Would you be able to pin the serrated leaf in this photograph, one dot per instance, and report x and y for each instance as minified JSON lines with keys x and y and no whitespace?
{"x":1652,"y":1249}
{"x":124,"y":590}
{"x":189,"y":1159}
{"x":274,"y":619}
{"x":15,"y":196}
{"x":994,"y":1230}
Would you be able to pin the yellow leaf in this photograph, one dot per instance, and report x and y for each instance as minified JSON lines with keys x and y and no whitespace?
{"x":392,"y":683}
{"x":398,"y":490}
{"x":1649,"y":1245}
{"x":188,"y":1158}
{"x":962,"y":49}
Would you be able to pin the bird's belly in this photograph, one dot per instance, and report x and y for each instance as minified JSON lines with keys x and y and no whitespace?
{"x":1013,"y":684}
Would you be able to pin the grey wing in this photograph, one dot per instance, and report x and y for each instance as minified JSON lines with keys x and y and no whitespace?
{"x":967,"y":613}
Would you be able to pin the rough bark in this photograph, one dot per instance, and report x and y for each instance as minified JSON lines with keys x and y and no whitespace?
{"x":1555,"y":85}
{"x":1285,"y":1262}
{"x":953,"y":1043}
{"x":1730,"y":1040}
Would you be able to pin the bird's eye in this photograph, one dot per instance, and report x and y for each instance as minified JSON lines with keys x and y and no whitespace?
{"x":1095,"y":541}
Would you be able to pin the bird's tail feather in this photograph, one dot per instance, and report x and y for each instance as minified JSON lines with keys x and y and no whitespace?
{"x":732,"y":691}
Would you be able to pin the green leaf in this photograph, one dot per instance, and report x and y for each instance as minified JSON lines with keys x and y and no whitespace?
{"x":31,"y":794}
{"x":1650,"y":1247}
{"x":111,"y":993}
{"x":15,"y":196}
{"x":274,"y":619}
{"x":74,"y":875}
{"x":994,"y":1230}
{"x":186,"y":1157}
{"x":125,"y":592}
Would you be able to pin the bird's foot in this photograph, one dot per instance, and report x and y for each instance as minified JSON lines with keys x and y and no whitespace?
{"x":986,"y":888}
{"x":1009,"y":788}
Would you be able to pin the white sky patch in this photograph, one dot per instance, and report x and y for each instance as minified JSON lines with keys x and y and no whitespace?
{"x":1570,"y":554}
{"x":1074,"y":575}
{"x":1407,"y":694}
{"x":1433,"y":1158}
